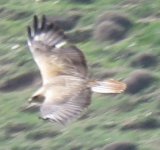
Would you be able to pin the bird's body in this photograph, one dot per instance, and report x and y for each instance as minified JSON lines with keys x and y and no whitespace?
{"x":66,"y":88}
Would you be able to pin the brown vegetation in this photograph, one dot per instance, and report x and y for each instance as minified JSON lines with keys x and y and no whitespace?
{"x":16,"y":127}
{"x":144,"y":60}
{"x":108,"y":31}
{"x":115,"y":17}
{"x":112,"y":26}
{"x":42,"y":135}
{"x":20,"y":82}
{"x":120,"y":146}
{"x":146,"y":123}
{"x":82,"y":1}
{"x":67,"y":23}
{"x":138,"y":80}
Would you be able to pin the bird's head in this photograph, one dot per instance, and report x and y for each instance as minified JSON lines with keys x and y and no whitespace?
{"x":34,"y":102}
{"x":36,"y":99}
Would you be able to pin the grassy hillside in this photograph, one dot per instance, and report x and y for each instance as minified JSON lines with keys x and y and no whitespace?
{"x":133,"y":116}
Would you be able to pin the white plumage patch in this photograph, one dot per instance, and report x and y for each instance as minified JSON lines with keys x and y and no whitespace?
{"x":61,"y":44}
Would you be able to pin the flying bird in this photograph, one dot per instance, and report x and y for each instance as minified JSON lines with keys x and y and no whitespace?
{"x":66,"y":87}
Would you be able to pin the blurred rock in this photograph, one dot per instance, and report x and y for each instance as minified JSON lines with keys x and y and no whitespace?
{"x":145,"y":123}
{"x":109,"y":125}
{"x":108,"y":31}
{"x":67,"y":23}
{"x":15,"y":128}
{"x":82,"y":1}
{"x":112,"y":26}
{"x":42,"y":0}
{"x":76,"y":146}
{"x":90,"y":128}
{"x":20,"y":82}
{"x":22,"y":147}
{"x":138,"y":80}
{"x":132,"y":2}
{"x":116,"y":17}
{"x":120,"y":146}
{"x":144,"y":60}
{"x":42,"y":135}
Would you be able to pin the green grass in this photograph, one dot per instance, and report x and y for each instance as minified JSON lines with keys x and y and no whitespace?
{"x":104,"y":109}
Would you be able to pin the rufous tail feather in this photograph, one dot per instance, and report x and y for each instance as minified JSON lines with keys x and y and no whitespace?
{"x":107,"y":86}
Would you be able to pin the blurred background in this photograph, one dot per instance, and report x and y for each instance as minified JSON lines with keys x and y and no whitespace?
{"x":121,"y":40}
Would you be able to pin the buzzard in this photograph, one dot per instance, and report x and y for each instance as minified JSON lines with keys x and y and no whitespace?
{"x":66,"y":87}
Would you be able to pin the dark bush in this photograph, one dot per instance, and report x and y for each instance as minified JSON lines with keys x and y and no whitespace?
{"x":144,"y":60}
{"x":108,"y":31}
{"x":19,"y":127}
{"x":138,"y":80}
{"x":67,"y":23}
{"x":82,"y":1}
{"x":42,"y":135}
{"x":20,"y":82}
{"x":90,"y":128}
{"x":120,"y":146}
{"x":132,"y":2}
{"x":117,"y":18}
{"x":146,"y":123}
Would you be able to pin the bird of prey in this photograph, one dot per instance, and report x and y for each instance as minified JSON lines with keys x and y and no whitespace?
{"x":66,"y":87}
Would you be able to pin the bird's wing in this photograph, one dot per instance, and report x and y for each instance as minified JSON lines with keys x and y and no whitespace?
{"x":64,"y":104}
{"x":52,"y":52}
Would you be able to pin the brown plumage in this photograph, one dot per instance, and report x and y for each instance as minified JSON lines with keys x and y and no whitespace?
{"x":66,"y":87}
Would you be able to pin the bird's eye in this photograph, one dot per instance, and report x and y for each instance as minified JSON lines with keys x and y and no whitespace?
{"x":38,"y":98}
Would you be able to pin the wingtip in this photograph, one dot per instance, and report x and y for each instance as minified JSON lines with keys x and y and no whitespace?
{"x":43,"y":24}
{"x":29,"y":32}
{"x":35,"y":23}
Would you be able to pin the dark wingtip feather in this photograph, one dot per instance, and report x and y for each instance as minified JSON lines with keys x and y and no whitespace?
{"x":43,"y":22}
{"x":43,"y":26}
{"x":29,"y":32}
{"x":35,"y":23}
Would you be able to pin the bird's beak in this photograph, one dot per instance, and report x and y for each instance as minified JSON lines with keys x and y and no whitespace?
{"x":29,"y":106}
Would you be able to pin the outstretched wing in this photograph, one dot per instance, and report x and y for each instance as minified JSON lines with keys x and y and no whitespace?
{"x":64,"y":104}
{"x":52,"y":52}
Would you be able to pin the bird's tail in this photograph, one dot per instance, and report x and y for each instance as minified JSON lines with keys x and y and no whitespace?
{"x":107,"y":86}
